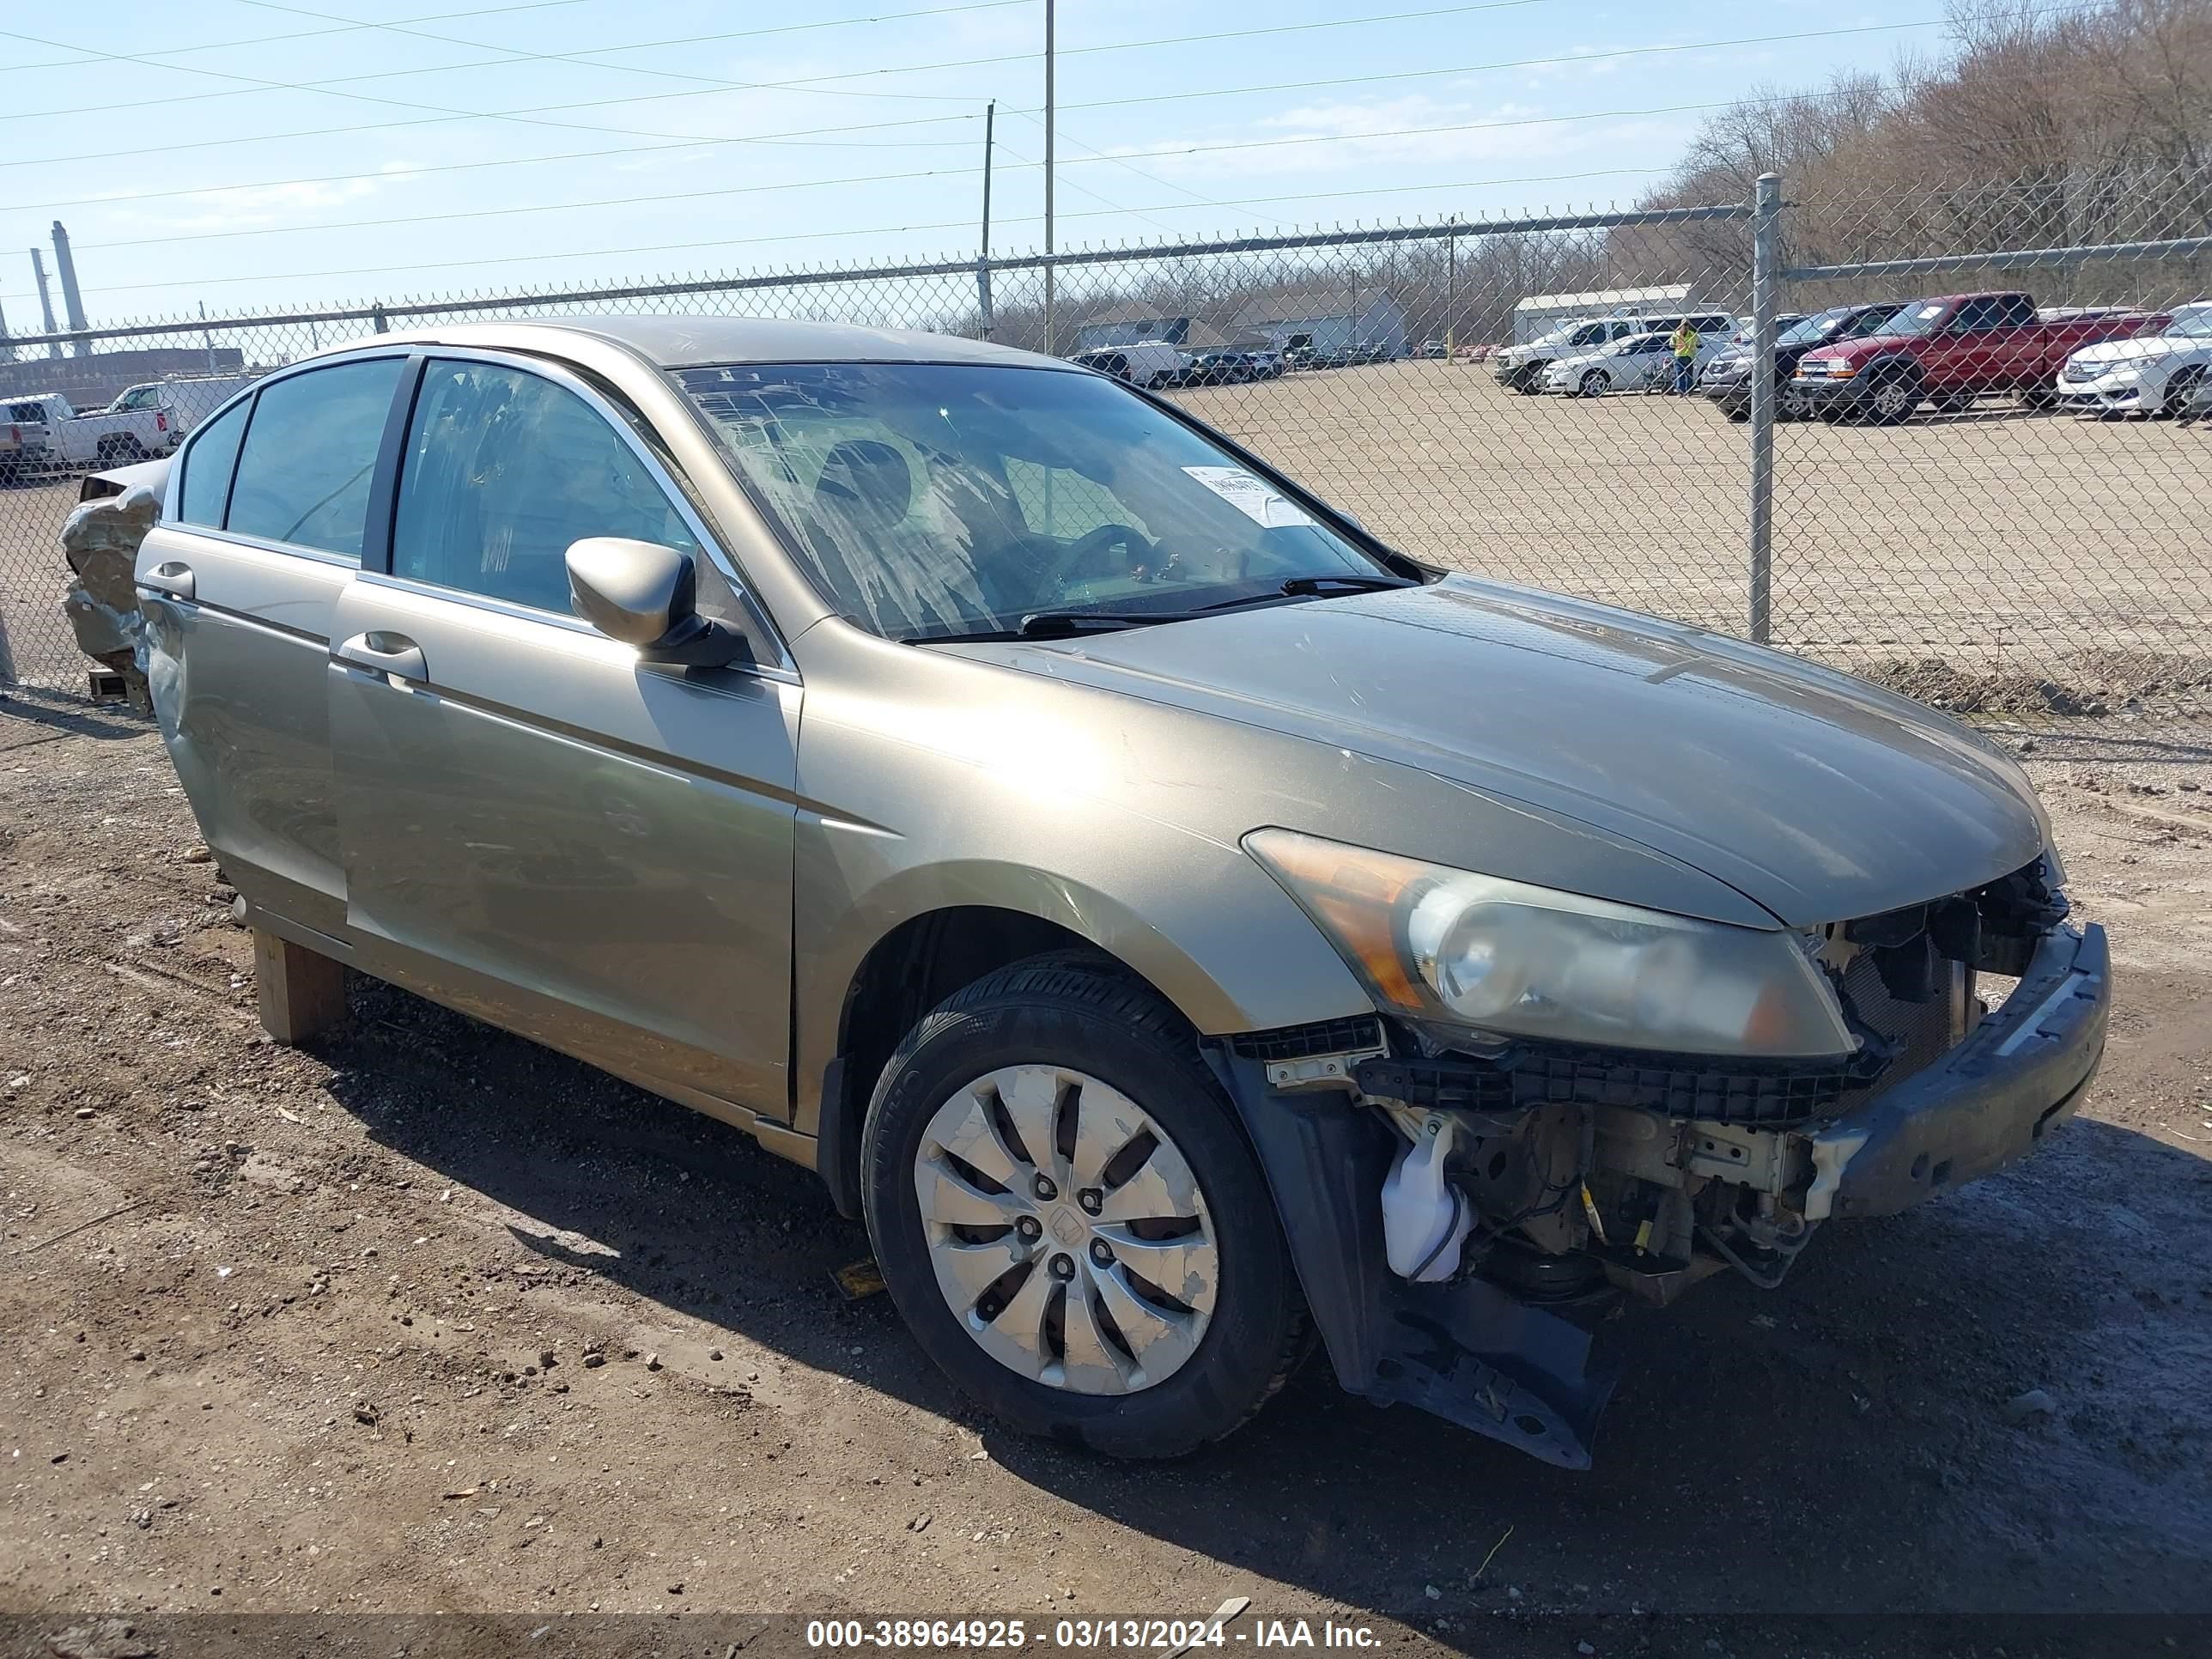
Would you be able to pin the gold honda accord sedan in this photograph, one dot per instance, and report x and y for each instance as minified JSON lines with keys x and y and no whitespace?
{"x":1176,"y":920}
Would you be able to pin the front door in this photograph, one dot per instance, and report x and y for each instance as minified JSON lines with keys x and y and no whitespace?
{"x":536,"y":827}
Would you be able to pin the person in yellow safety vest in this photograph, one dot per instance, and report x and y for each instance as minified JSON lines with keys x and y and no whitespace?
{"x":1685,"y":358}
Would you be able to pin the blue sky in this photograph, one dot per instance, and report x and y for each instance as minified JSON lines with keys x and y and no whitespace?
{"x":699,"y":138}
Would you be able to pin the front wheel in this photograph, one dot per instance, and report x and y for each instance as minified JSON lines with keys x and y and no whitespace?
{"x":1596,"y":383}
{"x":1069,"y":1220}
{"x":2180,"y":389}
{"x":1892,"y":400}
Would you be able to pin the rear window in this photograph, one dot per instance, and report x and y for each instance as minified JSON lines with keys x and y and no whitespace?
{"x":304,"y":472}
{"x":208,"y":461}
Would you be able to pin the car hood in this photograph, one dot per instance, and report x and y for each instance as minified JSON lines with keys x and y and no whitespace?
{"x":2130,"y":352}
{"x":1820,"y":796}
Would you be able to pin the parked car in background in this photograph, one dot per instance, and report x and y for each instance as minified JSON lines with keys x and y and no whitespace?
{"x":102,"y":438}
{"x":1783,"y":322}
{"x":1951,"y":349}
{"x":25,"y":442}
{"x":2149,"y":374}
{"x":1148,"y":363}
{"x":186,"y":401}
{"x":1114,"y":871}
{"x":1267,"y":363}
{"x":1430,"y":351}
{"x":1640,"y":362}
{"x":1220,"y":366}
{"x":1522,"y":367}
{"x":1726,"y":379}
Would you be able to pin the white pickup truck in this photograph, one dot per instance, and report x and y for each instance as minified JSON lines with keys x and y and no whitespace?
{"x":52,"y":435}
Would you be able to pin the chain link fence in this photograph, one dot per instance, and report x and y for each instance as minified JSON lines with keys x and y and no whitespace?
{"x":1980,"y":468}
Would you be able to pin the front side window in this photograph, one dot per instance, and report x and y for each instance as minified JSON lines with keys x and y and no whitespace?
{"x":1977,"y":317}
{"x":502,"y":471}
{"x":926,"y":500}
{"x":139,"y":397}
{"x":208,"y":463}
{"x":310,"y":449}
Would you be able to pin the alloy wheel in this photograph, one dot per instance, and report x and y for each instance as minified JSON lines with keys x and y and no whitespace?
{"x":1067,"y":1233}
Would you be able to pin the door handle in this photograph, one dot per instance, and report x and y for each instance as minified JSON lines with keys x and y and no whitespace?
{"x":170,"y":577}
{"x":384,"y":653}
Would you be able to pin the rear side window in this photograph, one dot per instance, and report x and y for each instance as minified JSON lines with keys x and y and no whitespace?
{"x":303,"y":473}
{"x":502,"y":471}
{"x":208,"y":463}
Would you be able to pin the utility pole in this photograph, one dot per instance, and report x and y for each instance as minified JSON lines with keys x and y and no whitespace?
{"x":983,"y":259}
{"x":1048,"y":125}
{"x":207,"y":336}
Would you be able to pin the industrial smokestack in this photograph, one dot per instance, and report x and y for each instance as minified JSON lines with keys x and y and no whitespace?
{"x":45,"y":300}
{"x":72,"y":301}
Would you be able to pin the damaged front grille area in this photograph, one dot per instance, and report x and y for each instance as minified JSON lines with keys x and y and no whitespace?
{"x":1527,"y":1075}
{"x":1906,"y":982}
{"x":1326,"y":1037}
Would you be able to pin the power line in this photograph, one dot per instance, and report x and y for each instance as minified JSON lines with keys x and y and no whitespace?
{"x":494,"y":11}
{"x":329,"y":85}
{"x":798,"y":137}
{"x":545,"y":207}
{"x":1525,"y":63}
{"x":883,"y":230}
{"x":297,"y":34}
{"x":805,"y":83}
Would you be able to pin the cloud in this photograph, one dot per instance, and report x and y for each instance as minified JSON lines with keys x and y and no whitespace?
{"x":256,"y":206}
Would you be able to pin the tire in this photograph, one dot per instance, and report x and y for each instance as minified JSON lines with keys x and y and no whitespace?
{"x":1595,"y":383}
{"x":1530,"y":381}
{"x":2180,"y":389}
{"x":130,"y":449}
{"x":1017,"y":1035}
{"x":1954,"y":403}
{"x":1790,"y":405}
{"x":1892,"y":400}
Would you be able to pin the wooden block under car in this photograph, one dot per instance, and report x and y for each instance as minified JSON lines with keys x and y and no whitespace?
{"x":301,"y":992}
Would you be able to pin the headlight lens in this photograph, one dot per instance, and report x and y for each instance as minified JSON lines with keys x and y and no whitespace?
{"x":1454,"y":948}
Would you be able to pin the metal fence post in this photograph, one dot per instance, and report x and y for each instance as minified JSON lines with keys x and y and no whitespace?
{"x":1765,"y":276}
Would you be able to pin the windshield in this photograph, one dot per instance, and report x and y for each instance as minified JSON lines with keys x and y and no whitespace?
{"x":929,"y":500}
{"x":1814,"y":329}
{"x":2195,"y":322}
{"x":1918,"y":317}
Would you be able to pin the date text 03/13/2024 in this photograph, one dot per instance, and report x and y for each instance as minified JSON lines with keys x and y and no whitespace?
{"x":1149,"y":1636}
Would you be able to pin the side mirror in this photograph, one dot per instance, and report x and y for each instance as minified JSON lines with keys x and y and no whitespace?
{"x":642,"y":594}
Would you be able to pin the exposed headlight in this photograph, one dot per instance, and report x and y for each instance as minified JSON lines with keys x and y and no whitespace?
{"x":1448,"y":947}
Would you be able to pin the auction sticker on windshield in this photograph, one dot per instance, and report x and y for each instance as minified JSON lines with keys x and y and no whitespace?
{"x":1269,"y":508}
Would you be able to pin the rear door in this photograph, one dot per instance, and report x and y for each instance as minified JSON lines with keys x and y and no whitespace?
{"x":537,"y":826}
{"x":265,"y":521}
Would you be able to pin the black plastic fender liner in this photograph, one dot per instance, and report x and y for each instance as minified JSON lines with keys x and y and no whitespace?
{"x":1470,"y":1352}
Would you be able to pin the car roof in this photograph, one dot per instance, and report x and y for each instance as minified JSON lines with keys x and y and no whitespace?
{"x":680,"y":342}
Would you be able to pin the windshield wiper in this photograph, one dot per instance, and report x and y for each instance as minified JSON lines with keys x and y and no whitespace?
{"x":1060,"y":624}
{"x":1301,"y":587}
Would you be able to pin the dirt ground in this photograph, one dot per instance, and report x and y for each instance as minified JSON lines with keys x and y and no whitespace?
{"x":278,"y":1322}
{"x":1996,"y":559}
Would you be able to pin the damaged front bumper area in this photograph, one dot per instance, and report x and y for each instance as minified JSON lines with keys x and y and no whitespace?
{"x":1570,"y":1179}
{"x":2025,"y":1070}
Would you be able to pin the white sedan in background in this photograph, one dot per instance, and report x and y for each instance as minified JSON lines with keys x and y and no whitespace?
{"x":1641,"y":362}
{"x":2155,"y":374}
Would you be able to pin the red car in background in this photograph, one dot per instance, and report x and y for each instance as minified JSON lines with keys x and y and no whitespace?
{"x":1953,"y":349}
